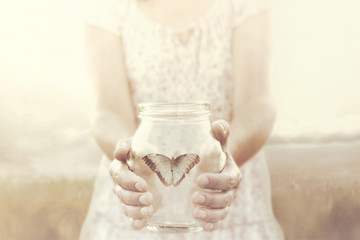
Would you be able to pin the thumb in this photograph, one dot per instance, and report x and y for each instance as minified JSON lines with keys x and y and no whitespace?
{"x":122,"y":149}
{"x":220,"y":131}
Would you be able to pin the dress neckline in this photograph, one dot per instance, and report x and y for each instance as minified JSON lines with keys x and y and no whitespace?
{"x":189,"y":26}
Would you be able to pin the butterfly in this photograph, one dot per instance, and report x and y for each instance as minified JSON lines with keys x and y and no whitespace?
{"x":171,"y":171}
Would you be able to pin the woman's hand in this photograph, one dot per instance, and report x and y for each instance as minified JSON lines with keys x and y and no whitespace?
{"x":217,"y":190}
{"x":131,"y":189}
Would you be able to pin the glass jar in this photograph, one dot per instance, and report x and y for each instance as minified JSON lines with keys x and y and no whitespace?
{"x":171,"y":147}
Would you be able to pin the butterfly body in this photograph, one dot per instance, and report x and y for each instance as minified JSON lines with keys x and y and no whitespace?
{"x":171,"y":171}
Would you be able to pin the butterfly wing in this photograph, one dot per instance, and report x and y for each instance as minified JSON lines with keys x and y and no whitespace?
{"x":161,"y":165}
{"x":182,"y":165}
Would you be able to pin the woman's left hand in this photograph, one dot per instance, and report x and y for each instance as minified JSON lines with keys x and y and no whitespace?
{"x":217,"y":190}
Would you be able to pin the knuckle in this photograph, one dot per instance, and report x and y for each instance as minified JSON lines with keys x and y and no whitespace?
{"x":119,"y":194}
{"x":112,"y":168}
{"x":124,"y":210}
{"x":209,"y":200}
{"x":223,"y":214}
{"x":231,"y":181}
{"x":227,"y":201}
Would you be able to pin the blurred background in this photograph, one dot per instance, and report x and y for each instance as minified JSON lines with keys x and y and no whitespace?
{"x":48,"y":159}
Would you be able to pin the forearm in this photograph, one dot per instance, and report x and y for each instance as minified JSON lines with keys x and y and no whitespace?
{"x":250,"y":130}
{"x":254,"y":114}
{"x":107,"y":128}
{"x":114,"y":117}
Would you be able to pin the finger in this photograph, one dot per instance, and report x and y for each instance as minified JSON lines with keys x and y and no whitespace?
{"x":219,"y":181}
{"x":126,"y":178}
{"x":213,"y":199}
{"x":210,"y":227}
{"x":220,"y":130}
{"x":137,"y":212}
{"x":137,"y":224}
{"x":133,"y":198}
{"x":210,"y":215}
{"x":114,"y":168}
{"x":122,"y":149}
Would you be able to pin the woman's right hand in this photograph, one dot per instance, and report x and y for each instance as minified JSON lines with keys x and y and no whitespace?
{"x":131,"y":189}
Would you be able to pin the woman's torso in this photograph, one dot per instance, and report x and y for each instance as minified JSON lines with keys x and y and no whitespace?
{"x":174,"y":62}
{"x":191,"y":64}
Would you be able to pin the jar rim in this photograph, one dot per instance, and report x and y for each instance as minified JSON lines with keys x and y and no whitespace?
{"x":174,"y":109}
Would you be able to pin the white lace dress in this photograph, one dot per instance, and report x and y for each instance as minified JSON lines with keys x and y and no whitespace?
{"x":177,"y":70}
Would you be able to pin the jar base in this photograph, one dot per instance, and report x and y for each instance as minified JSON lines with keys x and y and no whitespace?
{"x":174,"y":224}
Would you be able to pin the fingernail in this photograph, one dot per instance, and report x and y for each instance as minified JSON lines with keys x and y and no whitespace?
{"x":209,"y":226}
{"x":118,"y":148}
{"x":199,"y":198}
{"x":203,"y":181}
{"x":145,"y":198}
{"x":223,"y":128}
{"x":137,"y":223}
{"x":117,"y":177}
{"x":140,"y":187}
{"x":201,"y":213}
{"x":146,"y":211}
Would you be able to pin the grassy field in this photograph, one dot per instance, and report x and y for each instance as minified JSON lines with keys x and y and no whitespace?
{"x":311,"y":209}
{"x":43,"y":209}
{"x":315,"y":192}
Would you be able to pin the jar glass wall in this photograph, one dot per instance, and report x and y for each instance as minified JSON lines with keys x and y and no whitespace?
{"x":172,"y":146}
